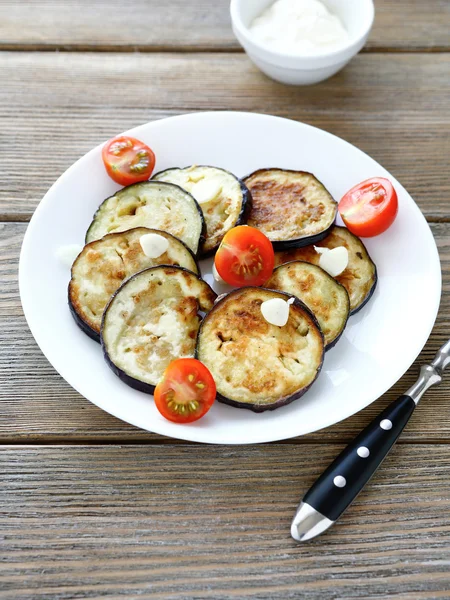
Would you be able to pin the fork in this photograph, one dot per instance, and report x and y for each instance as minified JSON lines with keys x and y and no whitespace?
{"x":339,"y":485}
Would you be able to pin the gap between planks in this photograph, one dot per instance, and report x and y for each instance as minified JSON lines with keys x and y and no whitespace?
{"x":56,"y":442}
{"x":191,"y":49}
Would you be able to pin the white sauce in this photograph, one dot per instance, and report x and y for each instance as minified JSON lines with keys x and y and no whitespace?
{"x":153,"y":245}
{"x":276,"y":311}
{"x":299,"y":27}
{"x":67,"y":254}
{"x":334,"y":261}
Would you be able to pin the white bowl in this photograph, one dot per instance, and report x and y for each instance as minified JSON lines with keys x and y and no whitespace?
{"x":295,"y":69}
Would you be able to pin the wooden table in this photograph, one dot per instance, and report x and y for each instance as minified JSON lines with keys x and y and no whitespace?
{"x":91,"y":507}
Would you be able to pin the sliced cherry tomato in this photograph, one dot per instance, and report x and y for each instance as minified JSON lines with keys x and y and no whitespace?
{"x":128,"y":160}
{"x":186,"y":392}
{"x":370,"y":207}
{"x":245,"y":257}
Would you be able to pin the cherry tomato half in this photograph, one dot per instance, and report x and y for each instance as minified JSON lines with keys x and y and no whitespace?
{"x":245,"y":257}
{"x":370,"y":207}
{"x":128,"y":160}
{"x":186,"y":392}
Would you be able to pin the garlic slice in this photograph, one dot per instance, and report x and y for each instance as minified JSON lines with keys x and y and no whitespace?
{"x":275,"y":311}
{"x":194,"y":176}
{"x":206,"y":190}
{"x":334,"y":261}
{"x":216,"y":275}
{"x":220,"y":297}
{"x":67,"y":254}
{"x":153,"y":245}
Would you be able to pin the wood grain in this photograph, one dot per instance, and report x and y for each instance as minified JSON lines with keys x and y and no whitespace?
{"x":178,"y":25}
{"x":395,"y":107}
{"x":38,"y":406}
{"x":213,"y":522}
{"x":154,"y":518}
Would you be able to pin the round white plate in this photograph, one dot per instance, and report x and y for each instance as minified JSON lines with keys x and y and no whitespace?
{"x":378,"y":345}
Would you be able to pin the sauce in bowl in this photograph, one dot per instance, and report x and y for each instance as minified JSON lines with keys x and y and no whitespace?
{"x":299,"y":27}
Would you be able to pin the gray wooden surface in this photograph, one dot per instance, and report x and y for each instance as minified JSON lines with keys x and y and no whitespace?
{"x":91,"y":507}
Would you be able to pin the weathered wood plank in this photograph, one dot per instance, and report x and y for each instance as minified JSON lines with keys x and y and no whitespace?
{"x":395,"y":107}
{"x":38,"y":406}
{"x":201,"y":25}
{"x":199,"y":522}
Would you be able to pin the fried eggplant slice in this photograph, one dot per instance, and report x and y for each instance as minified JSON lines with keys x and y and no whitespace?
{"x":292,"y":208}
{"x":152,"y":204}
{"x":360,"y":276}
{"x":152,"y":319}
{"x":224,"y":199}
{"x":104,"y":264}
{"x":326,"y":298}
{"x":257,"y":365}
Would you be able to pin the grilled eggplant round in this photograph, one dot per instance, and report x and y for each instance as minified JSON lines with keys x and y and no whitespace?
{"x":153,"y":204}
{"x":103,"y":265}
{"x":257,"y":365}
{"x":323,"y":295}
{"x":225,"y":201}
{"x":150,"y":321}
{"x":360,"y":276}
{"x":291,"y":207}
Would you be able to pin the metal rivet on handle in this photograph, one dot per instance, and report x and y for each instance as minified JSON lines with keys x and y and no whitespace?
{"x":340,"y":481}
{"x":363,"y":452}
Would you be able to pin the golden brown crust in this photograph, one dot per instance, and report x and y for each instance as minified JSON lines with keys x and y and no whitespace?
{"x":322,"y":294}
{"x":254,"y":363}
{"x":289,"y":205}
{"x":359,"y":278}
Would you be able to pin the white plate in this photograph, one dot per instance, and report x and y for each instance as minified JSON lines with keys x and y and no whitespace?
{"x":378,"y":345}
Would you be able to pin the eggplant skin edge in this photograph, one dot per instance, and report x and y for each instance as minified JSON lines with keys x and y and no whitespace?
{"x":202,"y":237}
{"x":375,"y":274}
{"x":137,"y":384}
{"x":85,"y":328}
{"x":301,"y":242}
{"x":285,"y":400}
{"x":335,"y":341}
{"x":371,"y":291}
{"x":280,"y":245}
{"x":247,"y":202}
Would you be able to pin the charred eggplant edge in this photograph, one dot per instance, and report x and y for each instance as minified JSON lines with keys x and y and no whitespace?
{"x":285,"y":400}
{"x":375,"y":273}
{"x":336,"y":339}
{"x":85,"y":327}
{"x":247,"y":202}
{"x":369,"y":293}
{"x":202,"y":237}
{"x":137,"y":384}
{"x":300,"y":242}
